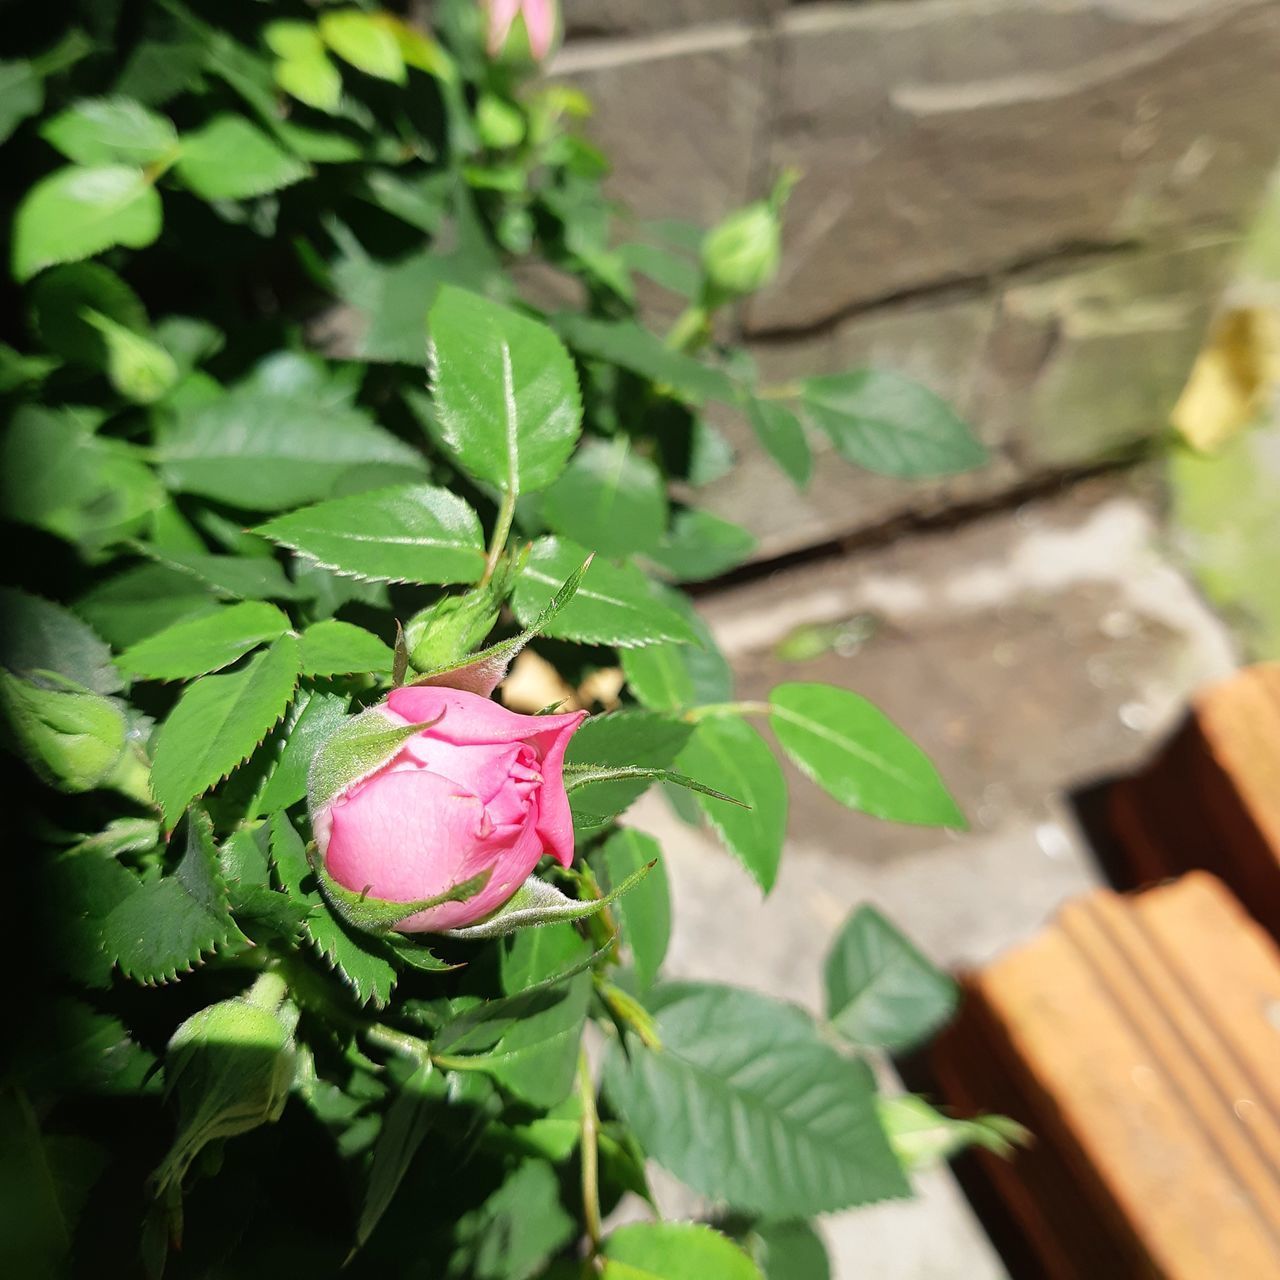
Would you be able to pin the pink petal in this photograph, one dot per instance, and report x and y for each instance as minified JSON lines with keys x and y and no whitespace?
{"x":555,"y":821}
{"x":502,"y":13}
{"x":540,"y":22}
{"x":469,"y":718}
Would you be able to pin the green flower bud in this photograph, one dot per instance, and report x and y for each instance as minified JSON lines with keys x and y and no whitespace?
{"x":741,"y":254}
{"x":451,"y":628}
{"x":73,"y":738}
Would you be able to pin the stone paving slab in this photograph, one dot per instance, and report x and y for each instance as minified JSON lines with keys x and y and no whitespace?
{"x":1030,"y":652}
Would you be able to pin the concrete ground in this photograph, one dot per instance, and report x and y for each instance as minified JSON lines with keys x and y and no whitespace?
{"x":1031,"y":652}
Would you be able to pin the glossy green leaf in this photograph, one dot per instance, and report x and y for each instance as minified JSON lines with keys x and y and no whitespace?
{"x":272,"y":452}
{"x":132,"y":605}
{"x":880,"y":990}
{"x":889,"y":424}
{"x":857,"y":754}
{"x":333,"y":648}
{"x":205,"y":644}
{"x":21,"y":95}
{"x":746,"y":1103}
{"x":231,"y":159}
{"x":76,"y":212}
{"x":111,"y":131}
{"x":320,"y":715}
{"x":701,"y":546}
{"x":515,"y":1231}
{"x":616,"y":604}
{"x":61,"y":299}
{"x":781,"y":434}
{"x":645,"y":912}
{"x":644,"y":738}
{"x":609,"y":499}
{"x":412,"y":533}
{"x":790,"y":1251}
{"x":506,"y":393}
{"x":217,"y":723}
{"x":39,"y":635}
{"x":728,"y":754}
{"x":674,"y":1251}
{"x":673,"y":677}
{"x":631,"y":346}
{"x":234,"y":577}
{"x":170,"y":923}
{"x":363,"y":963}
{"x":303,"y":68}
{"x":366,"y":40}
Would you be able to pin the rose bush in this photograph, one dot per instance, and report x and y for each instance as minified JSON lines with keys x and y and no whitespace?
{"x":479,"y":789}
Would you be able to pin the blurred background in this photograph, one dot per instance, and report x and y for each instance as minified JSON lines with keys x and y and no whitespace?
{"x":1062,"y":217}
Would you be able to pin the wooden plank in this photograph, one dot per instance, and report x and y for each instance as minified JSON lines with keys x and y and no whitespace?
{"x":1138,"y":1038}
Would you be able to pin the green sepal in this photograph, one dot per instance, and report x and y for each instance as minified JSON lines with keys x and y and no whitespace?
{"x":579,"y":775}
{"x":482,"y":672}
{"x":357,"y":748}
{"x":377,"y":915}
{"x":537,"y":902}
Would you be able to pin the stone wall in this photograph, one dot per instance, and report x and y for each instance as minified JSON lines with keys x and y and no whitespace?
{"x":1029,"y":205}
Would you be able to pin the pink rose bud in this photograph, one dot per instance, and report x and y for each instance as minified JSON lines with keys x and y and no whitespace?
{"x":480,"y":789}
{"x":540,"y":19}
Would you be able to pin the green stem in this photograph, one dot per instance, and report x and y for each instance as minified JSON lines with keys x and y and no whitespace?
{"x":268,"y":991}
{"x":691,"y":330}
{"x":780,"y":391}
{"x":396,"y":1041}
{"x":710,"y":709}
{"x":448,"y":1062}
{"x":590,"y":1154}
{"x":501,"y":531}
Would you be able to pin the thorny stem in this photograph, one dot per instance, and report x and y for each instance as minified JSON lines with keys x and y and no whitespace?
{"x":501,"y":531}
{"x":590,"y":1154}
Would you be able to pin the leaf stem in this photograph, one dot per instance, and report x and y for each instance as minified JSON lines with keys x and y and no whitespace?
{"x":780,"y":391}
{"x":748,"y":708}
{"x":590,"y":1153}
{"x":501,"y":531}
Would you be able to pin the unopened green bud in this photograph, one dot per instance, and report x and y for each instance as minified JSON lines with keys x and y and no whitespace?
{"x":741,"y":254}
{"x":451,"y":627}
{"x":72,"y":737}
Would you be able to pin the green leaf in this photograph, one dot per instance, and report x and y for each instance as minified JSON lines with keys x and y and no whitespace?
{"x":538,"y":903}
{"x":728,"y":754}
{"x":230,"y":159}
{"x":412,"y":533}
{"x":645,"y":912}
{"x":139,"y":369}
{"x":333,"y":648}
{"x":111,"y":131}
{"x":880,"y":990}
{"x":303,"y":68}
{"x":747,"y":1103}
{"x":631,"y":346}
{"x":506,"y":393}
{"x":273,"y":452}
{"x":140,"y":601}
{"x":57,"y":475}
{"x":609,"y":499}
{"x":61,"y":299}
{"x":781,"y":434}
{"x":516,"y":1229}
{"x":616,"y":604}
{"x":363,"y":962}
{"x":701,"y":546}
{"x":36,"y":634}
{"x":366,"y":41}
{"x":406,"y":1124}
{"x":205,"y":644}
{"x":855,"y":753}
{"x":790,"y":1251}
{"x":891,"y":425}
{"x":236,"y":577}
{"x":169,"y":924}
{"x":622,"y":738}
{"x":318,"y":715}
{"x":217,"y":723}
{"x":21,"y":95}
{"x":921,"y":1135}
{"x":76,"y":212}
{"x":673,"y":677}
{"x":674,"y":1251}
